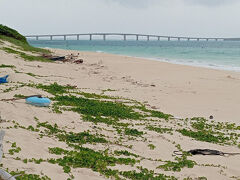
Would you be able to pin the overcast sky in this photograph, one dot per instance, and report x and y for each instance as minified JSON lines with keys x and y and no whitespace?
{"x":214,"y":18}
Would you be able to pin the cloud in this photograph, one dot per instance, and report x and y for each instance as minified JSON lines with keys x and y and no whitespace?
{"x":135,"y":3}
{"x":148,"y":3}
{"x":210,"y":3}
{"x":165,"y":17}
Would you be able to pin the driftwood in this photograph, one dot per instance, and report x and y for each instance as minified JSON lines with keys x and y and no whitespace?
{"x":54,"y":58}
{"x":58,"y":58}
{"x":3,"y":174}
{"x":68,"y":58}
{"x":207,"y":152}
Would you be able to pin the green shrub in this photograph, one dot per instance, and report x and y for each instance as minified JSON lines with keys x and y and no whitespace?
{"x":12,"y":36}
{"x":133,"y":132}
{"x":6,"y":31}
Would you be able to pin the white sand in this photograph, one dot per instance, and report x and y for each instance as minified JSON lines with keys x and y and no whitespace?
{"x":180,"y":90}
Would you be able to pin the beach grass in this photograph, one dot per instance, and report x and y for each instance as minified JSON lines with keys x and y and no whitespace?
{"x":105,"y":109}
{"x":7,"y":66}
{"x":25,"y":56}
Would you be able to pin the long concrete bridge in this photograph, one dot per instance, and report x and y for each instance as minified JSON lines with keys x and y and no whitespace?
{"x":126,"y":35}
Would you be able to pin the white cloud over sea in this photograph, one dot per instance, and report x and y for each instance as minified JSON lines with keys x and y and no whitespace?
{"x":215,"y":18}
{"x":211,"y":3}
{"x":146,"y":3}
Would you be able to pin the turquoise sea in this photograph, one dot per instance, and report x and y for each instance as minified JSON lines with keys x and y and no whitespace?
{"x":212,"y":54}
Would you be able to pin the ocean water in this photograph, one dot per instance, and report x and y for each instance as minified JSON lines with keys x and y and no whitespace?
{"x":212,"y":54}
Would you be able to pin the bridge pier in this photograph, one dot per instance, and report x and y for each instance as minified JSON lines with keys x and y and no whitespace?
{"x":207,"y":39}
{"x":216,"y":39}
{"x":51,"y":38}
{"x":78,"y":37}
{"x":104,"y":37}
{"x":37,"y":37}
{"x":124,"y":37}
{"x":158,"y":38}
{"x":179,"y":39}
{"x":137,"y":37}
{"x":188,"y":39}
{"x":65,"y":37}
{"x":90,"y":37}
{"x":169,"y":39}
{"x":198,"y":39}
{"x":148,"y":38}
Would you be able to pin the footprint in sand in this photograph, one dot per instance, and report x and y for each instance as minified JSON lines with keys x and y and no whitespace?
{"x":138,"y":83}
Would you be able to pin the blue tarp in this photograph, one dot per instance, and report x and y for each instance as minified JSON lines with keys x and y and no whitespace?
{"x":36,"y":101}
{"x":3,"y":79}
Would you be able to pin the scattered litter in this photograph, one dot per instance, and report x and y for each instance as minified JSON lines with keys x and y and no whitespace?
{"x":68,"y":58}
{"x":57,"y":58}
{"x":206,"y":152}
{"x":72,"y":56}
{"x":177,"y":118}
{"x":4,"y":79}
{"x":38,"y":101}
{"x":72,"y":86}
{"x":153,"y":107}
{"x":80,"y":61}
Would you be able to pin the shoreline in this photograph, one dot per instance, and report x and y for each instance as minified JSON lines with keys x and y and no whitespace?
{"x":189,"y":62}
{"x":157,"y":60}
{"x":174,"y":61}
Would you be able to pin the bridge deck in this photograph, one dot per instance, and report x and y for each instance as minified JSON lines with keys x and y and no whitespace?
{"x":124,"y":35}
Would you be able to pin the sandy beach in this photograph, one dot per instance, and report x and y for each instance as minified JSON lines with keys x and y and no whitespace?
{"x":183,"y":91}
{"x":179,"y":90}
